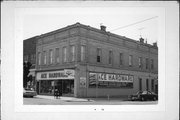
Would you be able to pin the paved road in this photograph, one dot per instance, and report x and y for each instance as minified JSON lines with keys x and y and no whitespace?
{"x":42,"y":101}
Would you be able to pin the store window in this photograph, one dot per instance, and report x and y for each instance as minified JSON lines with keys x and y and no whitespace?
{"x":64,"y":54}
{"x":72,"y":53}
{"x":110,"y":57}
{"x":130,"y":60}
{"x":47,"y":87}
{"x":99,"y":54}
{"x":82,"y":52}
{"x":121,"y":58}
{"x":57,"y":55}
{"x":109,"y":80}
{"x":51,"y":56}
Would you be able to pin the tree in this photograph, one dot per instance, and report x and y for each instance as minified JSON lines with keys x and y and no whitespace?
{"x":26,"y":71}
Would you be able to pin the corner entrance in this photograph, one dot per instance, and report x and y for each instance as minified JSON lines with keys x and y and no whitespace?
{"x":65,"y":86}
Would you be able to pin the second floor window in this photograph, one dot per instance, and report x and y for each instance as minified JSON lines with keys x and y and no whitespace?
{"x":45,"y":57}
{"x":147,"y":63}
{"x":51,"y":56}
{"x":82,"y":52}
{"x":152,"y":64}
{"x":140,"y":62}
{"x":72,"y":52}
{"x":110,"y":57}
{"x":130,"y":60}
{"x":39,"y":58}
{"x":99,"y":52}
{"x":121,"y":58}
{"x":57,"y":55}
{"x":64,"y":54}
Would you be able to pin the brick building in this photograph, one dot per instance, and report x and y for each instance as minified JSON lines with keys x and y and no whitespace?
{"x":83,"y":61}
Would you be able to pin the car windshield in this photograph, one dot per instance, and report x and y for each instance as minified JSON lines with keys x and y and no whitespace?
{"x":144,"y":92}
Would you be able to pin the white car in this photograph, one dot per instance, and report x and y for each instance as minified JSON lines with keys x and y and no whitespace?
{"x":27,"y":92}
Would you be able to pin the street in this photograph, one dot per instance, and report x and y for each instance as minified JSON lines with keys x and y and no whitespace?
{"x":41,"y":100}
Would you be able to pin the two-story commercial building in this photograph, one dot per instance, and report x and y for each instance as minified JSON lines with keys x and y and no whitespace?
{"x":83,"y":61}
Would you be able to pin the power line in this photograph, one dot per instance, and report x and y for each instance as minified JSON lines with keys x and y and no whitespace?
{"x":134,"y":23}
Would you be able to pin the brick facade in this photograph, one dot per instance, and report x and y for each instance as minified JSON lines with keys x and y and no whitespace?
{"x":92,"y":39}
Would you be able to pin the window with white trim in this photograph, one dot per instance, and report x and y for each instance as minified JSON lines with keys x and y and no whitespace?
{"x":99,"y":54}
{"x":64,"y":54}
{"x":39,"y":58}
{"x":45,"y":57}
{"x":72,"y":53}
{"x":82,"y":52}
{"x":57,"y":55}
{"x":130,"y":60}
{"x":51,"y":56}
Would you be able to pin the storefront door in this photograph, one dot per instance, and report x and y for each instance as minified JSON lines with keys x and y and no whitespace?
{"x":66,"y":87}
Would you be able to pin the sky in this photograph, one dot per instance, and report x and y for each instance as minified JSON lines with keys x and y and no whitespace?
{"x":40,"y":21}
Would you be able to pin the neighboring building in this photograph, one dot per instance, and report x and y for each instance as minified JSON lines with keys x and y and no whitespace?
{"x":29,"y":55}
{"x":82,"y":61}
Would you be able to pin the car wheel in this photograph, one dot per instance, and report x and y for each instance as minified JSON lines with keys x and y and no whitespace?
{"x":154,"y":98}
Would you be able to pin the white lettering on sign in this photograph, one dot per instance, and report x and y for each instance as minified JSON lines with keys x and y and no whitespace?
{"x":53,"y":75}
{"x":113,"y":77}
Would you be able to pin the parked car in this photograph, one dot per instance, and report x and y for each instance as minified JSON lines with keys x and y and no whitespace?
{"x":144,"y":95}
{"x":29,"y":92}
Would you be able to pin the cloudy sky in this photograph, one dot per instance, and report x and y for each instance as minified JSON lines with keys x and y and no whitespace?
{"x":125,"y":21}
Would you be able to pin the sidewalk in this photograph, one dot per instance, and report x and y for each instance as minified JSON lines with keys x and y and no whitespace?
{"x":73,"y":99}
{"x":67,"y":99}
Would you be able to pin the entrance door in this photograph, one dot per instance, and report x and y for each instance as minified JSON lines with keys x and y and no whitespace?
{"x":66,"y":87}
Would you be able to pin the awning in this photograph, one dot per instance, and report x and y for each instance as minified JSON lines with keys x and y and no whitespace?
{"x":32,"y":72}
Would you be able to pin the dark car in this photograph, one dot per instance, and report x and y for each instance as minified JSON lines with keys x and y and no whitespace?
{"x":144,"y":95}
{"x":28,"y":92}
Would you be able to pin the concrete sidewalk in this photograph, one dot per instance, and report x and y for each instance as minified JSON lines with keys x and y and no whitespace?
{"x":73,"y":99}
{"x":67,"y":99}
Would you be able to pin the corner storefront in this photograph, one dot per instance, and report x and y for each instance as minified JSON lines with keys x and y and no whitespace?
{"x":63,"y":80}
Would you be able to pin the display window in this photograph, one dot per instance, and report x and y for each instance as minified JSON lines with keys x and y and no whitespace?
{"x":106,"y":80}
{"x":64,"y":86}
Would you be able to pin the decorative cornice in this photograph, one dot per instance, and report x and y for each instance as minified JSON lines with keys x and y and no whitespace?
{"x":87,"y":27}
